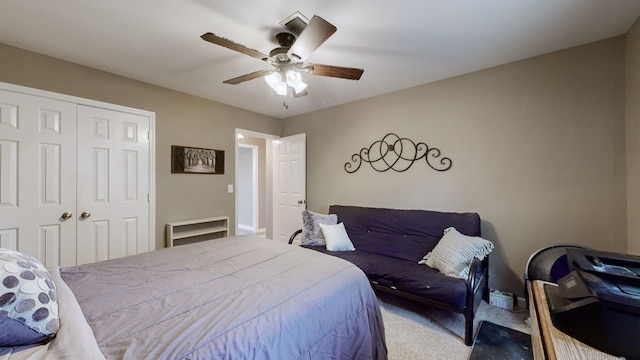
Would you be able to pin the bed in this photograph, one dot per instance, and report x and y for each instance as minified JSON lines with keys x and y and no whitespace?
{"x":240,"y":297}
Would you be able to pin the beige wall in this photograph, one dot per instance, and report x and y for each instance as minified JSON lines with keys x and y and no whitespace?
{"x":180,"y":120}
{"x":537,"y":149}
{"x":632,"y":96}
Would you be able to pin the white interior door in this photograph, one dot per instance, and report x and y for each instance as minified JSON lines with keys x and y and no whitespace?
{"x":37,"y":177}
{"x":113,"y":184}
{"x":290,"y":174}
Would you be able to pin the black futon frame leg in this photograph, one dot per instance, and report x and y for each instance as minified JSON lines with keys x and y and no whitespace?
{"x":478,"y":288}
{"x":468,"y":327}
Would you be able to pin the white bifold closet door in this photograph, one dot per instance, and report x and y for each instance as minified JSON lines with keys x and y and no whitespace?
{"x":113,"y":184}
{"x":37,"y":177}
{"x":74,"y":180}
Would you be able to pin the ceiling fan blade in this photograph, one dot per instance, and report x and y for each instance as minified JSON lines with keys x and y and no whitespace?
{"x":212,"y":38}
{"x":317,"y":32}
{"x":247,"y":77}
{"x":335,"y":71}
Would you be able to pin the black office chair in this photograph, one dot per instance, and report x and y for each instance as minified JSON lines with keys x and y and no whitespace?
{"x":549,"y":264}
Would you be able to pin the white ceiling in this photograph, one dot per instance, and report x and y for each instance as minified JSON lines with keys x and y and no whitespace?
{"x":399,"y":44}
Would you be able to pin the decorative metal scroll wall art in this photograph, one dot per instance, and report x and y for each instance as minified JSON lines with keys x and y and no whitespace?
{"x":398,"y":154}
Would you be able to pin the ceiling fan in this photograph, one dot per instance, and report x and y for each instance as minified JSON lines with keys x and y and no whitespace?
{"x":289,"y":58}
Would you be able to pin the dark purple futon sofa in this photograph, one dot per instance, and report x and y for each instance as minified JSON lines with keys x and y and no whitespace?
{"x":390,"y":242}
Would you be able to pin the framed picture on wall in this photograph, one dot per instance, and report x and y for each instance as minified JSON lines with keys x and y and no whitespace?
{"x":192,"y":160}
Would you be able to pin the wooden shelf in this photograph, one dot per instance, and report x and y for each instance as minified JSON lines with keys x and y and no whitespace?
{"x":188,"y":231}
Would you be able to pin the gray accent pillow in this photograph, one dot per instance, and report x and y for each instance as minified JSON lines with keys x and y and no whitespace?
{"x":311,"y":234}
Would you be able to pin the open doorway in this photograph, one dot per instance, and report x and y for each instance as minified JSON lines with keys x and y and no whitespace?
{"x":247,"y":189}
{"x":254,"y":183}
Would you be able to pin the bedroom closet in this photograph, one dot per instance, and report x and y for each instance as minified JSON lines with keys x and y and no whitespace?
{"x":76,"y":184}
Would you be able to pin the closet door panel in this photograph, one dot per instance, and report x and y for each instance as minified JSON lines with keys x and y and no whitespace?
{"x":113,"y":184}
{"x":37,"y":177}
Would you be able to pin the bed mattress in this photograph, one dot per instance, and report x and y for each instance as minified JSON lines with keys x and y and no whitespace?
{"x":239,"y":297}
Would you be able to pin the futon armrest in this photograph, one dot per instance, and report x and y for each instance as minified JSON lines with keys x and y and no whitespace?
{"x":294,"y":235}
{"x":477,"y":270}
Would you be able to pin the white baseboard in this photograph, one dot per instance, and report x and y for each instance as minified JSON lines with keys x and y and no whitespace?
{"x":246,"y":227}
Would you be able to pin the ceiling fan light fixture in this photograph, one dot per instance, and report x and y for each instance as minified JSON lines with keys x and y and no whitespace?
{"x":300,"y":88}
{"x":274,"y":80}
{"x":294,"y":79}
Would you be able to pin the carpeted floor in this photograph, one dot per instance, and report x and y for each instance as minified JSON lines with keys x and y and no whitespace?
{"x":416,"y":331}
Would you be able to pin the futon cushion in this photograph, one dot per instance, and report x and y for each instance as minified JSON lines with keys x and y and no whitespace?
{"x":28,"y":301}
{"x":402,"y":234}
{"x":406,"y":276}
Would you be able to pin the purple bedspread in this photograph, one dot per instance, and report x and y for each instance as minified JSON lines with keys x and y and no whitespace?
{"x":231,"y":298}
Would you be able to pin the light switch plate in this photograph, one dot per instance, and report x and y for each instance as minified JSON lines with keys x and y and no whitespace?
{"x":230,"y":188}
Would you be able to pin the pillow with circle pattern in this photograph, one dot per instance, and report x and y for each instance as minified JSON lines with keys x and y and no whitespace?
{"x":28,"y":301}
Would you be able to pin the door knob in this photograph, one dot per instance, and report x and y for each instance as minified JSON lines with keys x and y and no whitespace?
{"x":85,"y":214}
{"x":66,"y":215}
